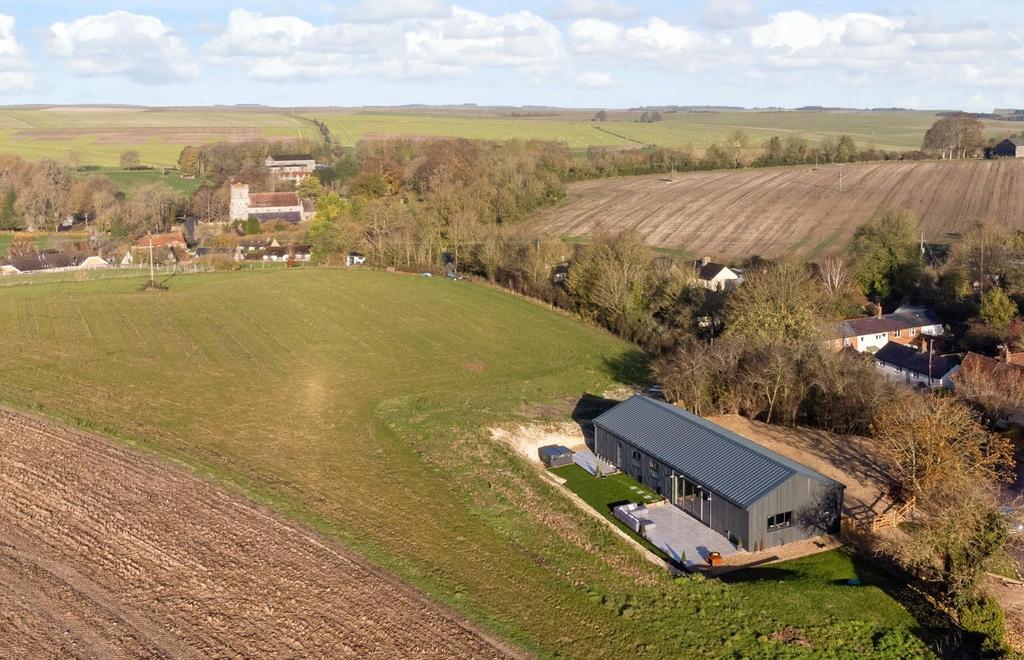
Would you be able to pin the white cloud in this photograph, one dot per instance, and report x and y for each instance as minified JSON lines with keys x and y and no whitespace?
{"x":469,"y":39}
{"x":656,"y":39}
{"x":595,"y":80}
{"x":731,"y":14}
{"x":610,"y":9}
{"x":15,"y":73}
{"x":282,"y":47}
{"x":141,"y":48}
{"x":383,"y":11}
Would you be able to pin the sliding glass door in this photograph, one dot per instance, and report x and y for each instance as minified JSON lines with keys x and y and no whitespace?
{"x":694,"y":500}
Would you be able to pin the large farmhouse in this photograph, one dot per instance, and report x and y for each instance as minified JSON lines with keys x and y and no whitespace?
{"x":904,"y":326}
{"x":266,"y":207}
{"x":291,"y":168}
{"x":748,"y":494}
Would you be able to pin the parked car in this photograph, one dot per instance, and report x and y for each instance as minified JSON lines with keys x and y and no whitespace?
{"x":426,"y":274}
{"x":1013,"y":519}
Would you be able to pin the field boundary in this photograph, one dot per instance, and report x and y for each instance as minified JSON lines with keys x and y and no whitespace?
{"x":242,"y":498}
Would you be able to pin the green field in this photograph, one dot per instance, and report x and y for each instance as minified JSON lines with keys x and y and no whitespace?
{"x":129,"y":180}
{"x":97,"y":136}
{"x":885,"y":130}
{"x":358,"y":403}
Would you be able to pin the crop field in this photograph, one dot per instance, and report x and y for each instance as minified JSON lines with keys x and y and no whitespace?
{"x":801,"y":211}
{"x":359,"y":403}
{"x":97,"y":136}
{"x":884,"y":130}
{"x":107,"y":552}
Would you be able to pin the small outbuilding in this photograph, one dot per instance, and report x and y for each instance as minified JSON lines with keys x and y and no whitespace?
{"x":555,"y":455}
{"x":750,"y":495}
{"x":1010,"y":148}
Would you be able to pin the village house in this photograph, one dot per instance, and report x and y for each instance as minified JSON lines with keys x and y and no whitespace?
{"x":266,"y":207}
{"x":716,"y":277}
{"x":750,"y":495}
{"x":291,"y":167}
{"x":920,"y":368}
{"x":907,"y":325}
{"x":287,"y":252}
{"x":1010,"y":148}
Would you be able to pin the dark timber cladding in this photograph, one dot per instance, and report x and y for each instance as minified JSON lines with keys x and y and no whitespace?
{"x":745,"y":492}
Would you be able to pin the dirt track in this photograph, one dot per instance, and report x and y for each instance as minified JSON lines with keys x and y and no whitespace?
{"x":105,"y":552}
{"x":800,"y":210}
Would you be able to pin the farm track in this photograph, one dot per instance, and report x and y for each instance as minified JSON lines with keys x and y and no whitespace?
{"x":796,"y":210}
{"x":106,"y":552}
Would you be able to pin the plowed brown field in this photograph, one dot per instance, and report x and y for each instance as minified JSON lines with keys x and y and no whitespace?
{"x":794,"y":210}
{"x":105,"y":552}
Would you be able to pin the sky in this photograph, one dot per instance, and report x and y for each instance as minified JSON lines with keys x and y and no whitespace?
{"x":934,"y":54}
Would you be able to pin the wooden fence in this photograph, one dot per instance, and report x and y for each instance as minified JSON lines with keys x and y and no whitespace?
{"x":894,"y":516}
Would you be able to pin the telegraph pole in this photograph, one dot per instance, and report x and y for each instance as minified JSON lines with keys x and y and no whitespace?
{"x":152,"y":272}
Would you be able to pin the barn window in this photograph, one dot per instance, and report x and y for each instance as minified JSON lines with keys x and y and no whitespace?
{"x":780,"y":521}
{"x":636,"y":455}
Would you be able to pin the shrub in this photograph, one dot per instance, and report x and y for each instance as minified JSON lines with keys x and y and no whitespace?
{"x":982,"y":618}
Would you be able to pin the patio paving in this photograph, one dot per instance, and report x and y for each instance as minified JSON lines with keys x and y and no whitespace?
{"x":682,"y":537}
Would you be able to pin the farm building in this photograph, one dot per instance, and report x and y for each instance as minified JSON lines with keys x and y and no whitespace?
{"x":904,"y":326}
{"x":1010,"y":148}
{"x":52,"y":261}
{"x":748,"y":494}
{"x":267,"y":207}
{"x":915,"y":367}
{"x":291,"y":167}
{"x":716,"y":277}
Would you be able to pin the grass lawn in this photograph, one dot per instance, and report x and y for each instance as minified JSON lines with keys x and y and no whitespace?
{"x":606,"y":493}
{"x":358,"y":403}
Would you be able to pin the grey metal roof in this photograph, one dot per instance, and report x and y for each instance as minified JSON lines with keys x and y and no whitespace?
{"x":728,"y":464}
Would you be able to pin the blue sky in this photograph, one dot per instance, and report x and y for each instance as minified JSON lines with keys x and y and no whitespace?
{"x":582,"y":53}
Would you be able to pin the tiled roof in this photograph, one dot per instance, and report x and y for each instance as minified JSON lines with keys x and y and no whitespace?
{"x":710,"y":270}
{"x":291,"y":158}
{"x":268,"y":200}
{"x":871,"y":325}
{"x":914,"y":360}
{"x":728,"y":464}
{"x":162,"y":240}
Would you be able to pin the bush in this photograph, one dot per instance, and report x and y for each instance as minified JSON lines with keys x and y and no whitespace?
{"x":982,"y":618}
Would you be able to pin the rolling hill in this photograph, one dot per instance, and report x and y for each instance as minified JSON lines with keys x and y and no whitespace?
{"x":802,"y":211}
{"x":358,"y":403}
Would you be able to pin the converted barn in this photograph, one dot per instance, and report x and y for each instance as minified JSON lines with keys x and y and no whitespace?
{"x":748,"y":494}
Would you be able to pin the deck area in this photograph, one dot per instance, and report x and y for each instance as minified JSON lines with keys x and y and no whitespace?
{"x":683,"y":538}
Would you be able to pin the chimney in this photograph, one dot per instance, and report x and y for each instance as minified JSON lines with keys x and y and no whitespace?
{"x":878,"y":311}
{"x":704,"y":261}
{"x":1007,"y":355}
